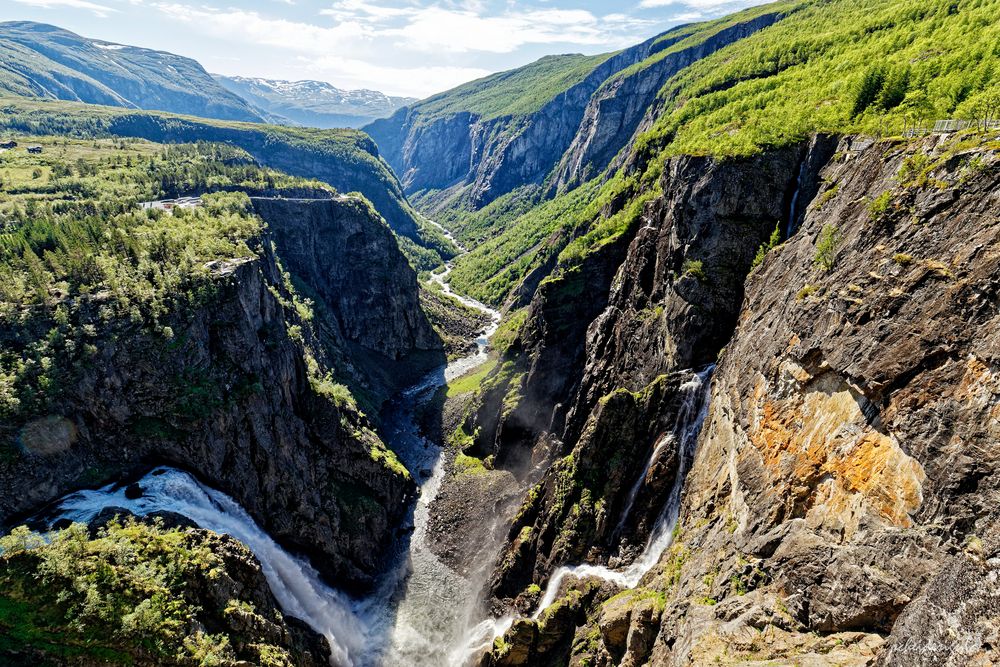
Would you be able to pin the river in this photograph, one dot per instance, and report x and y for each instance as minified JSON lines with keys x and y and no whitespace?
{"x":423,"y":615}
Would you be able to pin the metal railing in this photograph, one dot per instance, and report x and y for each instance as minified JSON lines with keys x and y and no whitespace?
{"x":949,"y":125}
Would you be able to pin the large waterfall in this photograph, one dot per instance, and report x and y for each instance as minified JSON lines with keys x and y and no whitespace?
{"x":423,"y":613}
{"x":296,"y":584}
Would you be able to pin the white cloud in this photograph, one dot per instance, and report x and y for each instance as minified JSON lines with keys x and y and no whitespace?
{"x":438,"y":29}
{"x":251,"y":27}
{"x":405,"y":49}
{"x":99,"y":10}
{"x":714,"y":6}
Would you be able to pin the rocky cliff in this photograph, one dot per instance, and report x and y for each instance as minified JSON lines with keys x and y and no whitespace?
{"x":662,"y":298}
{"x":341,"y":248}
{"x":840,"y":495}
{"x":482,"y":158}
{"x":615,"y":110}
{"x":241,"y":390}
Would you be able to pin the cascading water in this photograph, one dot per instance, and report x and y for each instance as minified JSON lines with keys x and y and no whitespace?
{"x":686,"y":429}
{"x":296,"y":584}
{"x":662,"y":443}
{"x":423,"y":614}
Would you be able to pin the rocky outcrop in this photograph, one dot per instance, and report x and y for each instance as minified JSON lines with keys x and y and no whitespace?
{"x":236,"y":393}
{"x":840,"y":501}
{"x":849,"y":445}
{"x":338,"y":247}
{"x":597,"y":371}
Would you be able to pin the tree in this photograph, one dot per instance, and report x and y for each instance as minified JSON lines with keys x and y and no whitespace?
{"x":868,"y":89}
{"x":827,"y":246}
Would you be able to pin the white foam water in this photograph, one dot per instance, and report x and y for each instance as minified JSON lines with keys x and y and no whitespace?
{"x":294,"y":582}
{"x":460,"y":367}
{"x":422,"y":615}
{"x":690,"y":418}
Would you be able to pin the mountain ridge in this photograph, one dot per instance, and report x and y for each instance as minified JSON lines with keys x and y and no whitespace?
{"x":43,"y":60}
{"x":313,"y":103}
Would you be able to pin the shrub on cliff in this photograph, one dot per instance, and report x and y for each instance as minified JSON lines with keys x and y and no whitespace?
{"x":135,"y":590}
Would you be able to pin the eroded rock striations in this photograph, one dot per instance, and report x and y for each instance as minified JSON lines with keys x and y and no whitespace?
{"x":838,"y":510}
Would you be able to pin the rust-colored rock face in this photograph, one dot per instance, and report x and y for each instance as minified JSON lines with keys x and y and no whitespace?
{"x":852,"y":443}
{"x":841,"y":508}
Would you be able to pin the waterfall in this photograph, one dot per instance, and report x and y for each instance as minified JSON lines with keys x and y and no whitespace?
{"x":662,"y":443}
{"x":295,"y":584}
{"x":423,"y":614}
{"x":793,"y":211}
{"x":685,"y":433}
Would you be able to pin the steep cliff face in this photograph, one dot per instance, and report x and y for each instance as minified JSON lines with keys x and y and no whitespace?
{"x":661,"y":299}
{"x":485,"y":157}
{"x":849,"y":447}
{"x":235,"y":394}
{"x":341,"y":249}
{"x":840,"y":504}
{"x":614,"y":111}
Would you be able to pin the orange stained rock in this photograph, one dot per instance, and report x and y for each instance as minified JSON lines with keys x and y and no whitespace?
{"x":817,"y":446}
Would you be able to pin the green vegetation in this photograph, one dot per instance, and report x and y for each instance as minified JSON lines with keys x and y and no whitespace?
{"x":496,"y":266}
{"x":765,"y":248}
{"x":838,"y":66}
{"x":136,"y":589}
{"x":471,"y":381}
{"x":516,"y":92}
{"x":694,"y":268}
{"x":509,"y":330}
{"x":880,"y":206}
{"x":691,"y":35}
{"x":468,"y":465}
{"x":827,"y":246}
{"x":78,"y":255}
{"x":344,"y":159}
{"x":635,"y":596}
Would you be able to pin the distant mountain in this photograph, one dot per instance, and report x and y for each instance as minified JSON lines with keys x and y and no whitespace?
{"x":314,"y":103}
{"x":40,"y":60}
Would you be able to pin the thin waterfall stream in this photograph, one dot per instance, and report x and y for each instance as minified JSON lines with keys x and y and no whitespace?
{"x":687,"y":427}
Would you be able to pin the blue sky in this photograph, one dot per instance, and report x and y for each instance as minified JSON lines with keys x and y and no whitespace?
{"x":402,"y":47}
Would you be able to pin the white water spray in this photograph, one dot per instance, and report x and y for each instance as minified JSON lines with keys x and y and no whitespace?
{"x":686,"y":429}
{"x":422,"y":615}
{"x":662,"y":443}
{"x":296,"y":584}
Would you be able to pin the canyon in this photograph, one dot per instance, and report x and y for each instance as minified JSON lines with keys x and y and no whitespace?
{"x":594,"y":376}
